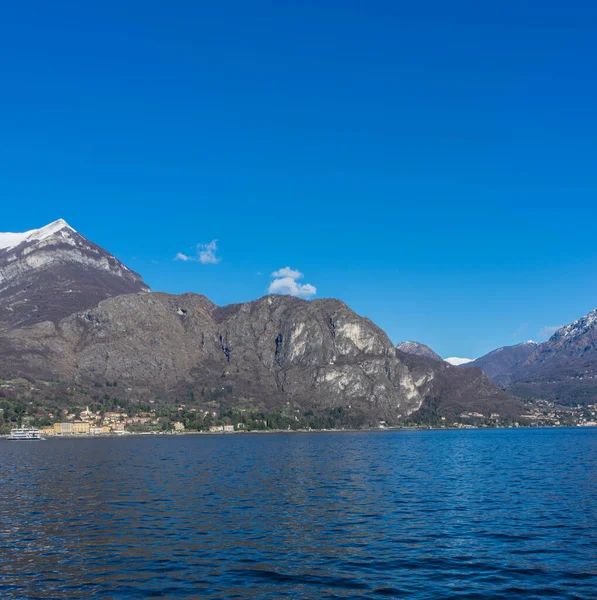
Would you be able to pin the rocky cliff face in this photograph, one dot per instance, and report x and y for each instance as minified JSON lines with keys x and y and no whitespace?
{"x":275,"y":350}
{"x":450,"y":390}
{"x":265,"y":354}
{"x":418,"y":349}
{"x":49,"y":273}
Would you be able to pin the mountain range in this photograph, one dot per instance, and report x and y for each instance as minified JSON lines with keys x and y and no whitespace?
{"x":562,"y":370}
{"x":501,"y":365}
{"x":73,"y":314}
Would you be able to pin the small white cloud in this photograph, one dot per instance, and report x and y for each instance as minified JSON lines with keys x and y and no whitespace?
{"x":287,"y":285}
{"x":206,"y":254}
{"x":285,"y":282}
{"x":287,"y":272}
{"x":548,"y":330}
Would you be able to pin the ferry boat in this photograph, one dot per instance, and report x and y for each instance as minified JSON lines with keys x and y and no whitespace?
{"x":25,"y":434}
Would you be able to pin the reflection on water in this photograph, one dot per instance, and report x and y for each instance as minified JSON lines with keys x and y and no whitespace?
{"x":438,"y":514}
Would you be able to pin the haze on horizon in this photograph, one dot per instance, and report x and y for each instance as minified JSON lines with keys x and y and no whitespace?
{"x":438,"y":178}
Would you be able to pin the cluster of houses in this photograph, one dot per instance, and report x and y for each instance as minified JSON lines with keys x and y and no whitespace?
{"x":90,"y":423}
{"x":115,"y":422}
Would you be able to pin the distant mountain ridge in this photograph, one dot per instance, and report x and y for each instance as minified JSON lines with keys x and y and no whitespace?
{"x":51,"y":272}
{"x":563,"y":369}
{"x":418,"y":349}
{"x":502,"y":364}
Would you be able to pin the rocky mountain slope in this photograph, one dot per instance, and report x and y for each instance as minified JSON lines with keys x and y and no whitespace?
{"x":418,"y":349}
{"x":265,"y":354}
{"x":275,"y":350}
{"x":49,"y":273}
{"x":502,"y":365}
{"x":449,"y":390}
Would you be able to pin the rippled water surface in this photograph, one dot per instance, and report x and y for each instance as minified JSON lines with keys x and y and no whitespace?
{"x":435,"y":514}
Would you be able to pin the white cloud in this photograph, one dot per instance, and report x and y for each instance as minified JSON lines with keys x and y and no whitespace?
{"x":206,"y":254}
{"x":288,"y":272}
{"x":285,"y":282}
{"x":287,"y":285}
{"x":548,"y":330}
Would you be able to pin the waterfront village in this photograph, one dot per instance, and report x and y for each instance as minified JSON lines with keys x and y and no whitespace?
{"x":105,"y":409}
{"x":88,"y":422}
{"x":115,"y":422}
{"x":58,"y":410}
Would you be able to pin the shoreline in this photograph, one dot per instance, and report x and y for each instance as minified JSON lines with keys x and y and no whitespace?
{"x":289,"y":431}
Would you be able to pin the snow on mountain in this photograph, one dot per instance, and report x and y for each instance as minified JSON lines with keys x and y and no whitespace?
{"x":49,"y":273}
{"x":12,"y":240}
{"x":455,"y":361}
{"x":564,"y":368}
{"x":577,"y":327}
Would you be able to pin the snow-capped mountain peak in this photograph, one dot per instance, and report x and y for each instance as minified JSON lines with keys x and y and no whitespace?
{"x":577,"y":327}
{"x":456,"y":361}
{"x":51,"y":272}
{"x":12,"y":240}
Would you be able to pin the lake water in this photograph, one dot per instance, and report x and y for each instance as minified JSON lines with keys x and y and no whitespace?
{"x":430,"y":514}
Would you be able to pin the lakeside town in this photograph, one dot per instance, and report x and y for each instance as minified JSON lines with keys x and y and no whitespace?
{"x":115,"y":422}
{"x":108,"y":415}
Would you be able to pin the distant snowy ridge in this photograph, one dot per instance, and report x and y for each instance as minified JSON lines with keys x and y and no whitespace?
{"x":12,"y":240}
{"x":578,"y":327}
{"x":454,"y":360}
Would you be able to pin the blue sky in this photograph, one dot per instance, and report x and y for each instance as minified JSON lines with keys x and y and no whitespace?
{"x":432,"y":164}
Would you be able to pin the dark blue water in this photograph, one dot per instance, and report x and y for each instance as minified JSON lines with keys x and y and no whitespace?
{"x":438,"y":514}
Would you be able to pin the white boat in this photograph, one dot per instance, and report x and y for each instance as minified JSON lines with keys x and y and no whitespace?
{"x":25,"y":434}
